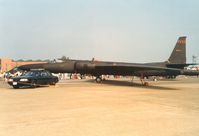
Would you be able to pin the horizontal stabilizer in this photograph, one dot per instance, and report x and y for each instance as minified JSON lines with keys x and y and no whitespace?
{"x":180,"y":66}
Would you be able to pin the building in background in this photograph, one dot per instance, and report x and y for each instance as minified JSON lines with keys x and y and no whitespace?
{"x":7,"y":64}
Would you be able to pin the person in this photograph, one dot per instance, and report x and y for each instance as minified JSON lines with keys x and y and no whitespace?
{"x":1,"y":75}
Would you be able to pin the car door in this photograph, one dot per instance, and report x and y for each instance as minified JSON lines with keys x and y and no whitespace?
{"x":39,"y":78}
{"x":45,"y":79}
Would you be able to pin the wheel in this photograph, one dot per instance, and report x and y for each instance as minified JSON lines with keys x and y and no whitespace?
{"x":98,"y":79}
{"x":15,"y":86}
{"x":53,"y":83}
{"x":33,"y":84}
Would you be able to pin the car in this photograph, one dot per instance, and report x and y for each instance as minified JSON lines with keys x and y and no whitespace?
{"x":33,"y":78}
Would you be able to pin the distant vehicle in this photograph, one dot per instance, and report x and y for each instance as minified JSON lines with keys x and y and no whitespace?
{"x":33,"y":78}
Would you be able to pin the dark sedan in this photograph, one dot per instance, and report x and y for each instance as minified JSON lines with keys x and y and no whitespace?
{"x":33,"y":78}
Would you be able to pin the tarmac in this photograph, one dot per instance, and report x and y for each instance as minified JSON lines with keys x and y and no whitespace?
{"x":113,"y":108}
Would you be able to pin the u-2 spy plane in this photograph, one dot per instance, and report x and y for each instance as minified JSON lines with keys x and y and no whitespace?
{"x":171,"y":68}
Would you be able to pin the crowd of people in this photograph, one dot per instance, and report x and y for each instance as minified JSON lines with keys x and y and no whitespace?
{"x":6,"y":75}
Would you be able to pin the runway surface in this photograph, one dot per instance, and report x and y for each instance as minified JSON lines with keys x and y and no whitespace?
{"x":113,"y":108}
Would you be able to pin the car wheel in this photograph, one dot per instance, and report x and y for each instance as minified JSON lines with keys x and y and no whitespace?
{"x":53,"y":83}
{"x":33,"y":84}
{"x":15,"y":86}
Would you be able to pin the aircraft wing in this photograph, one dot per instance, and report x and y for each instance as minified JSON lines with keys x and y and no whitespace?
{"x":129,"y":69}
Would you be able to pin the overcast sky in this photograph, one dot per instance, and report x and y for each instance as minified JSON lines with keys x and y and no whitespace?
{"x":118,"y":30}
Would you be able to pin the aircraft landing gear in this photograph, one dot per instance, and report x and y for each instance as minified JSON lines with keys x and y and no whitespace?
{"x":98,"y":79}
{"x":144,"y":83}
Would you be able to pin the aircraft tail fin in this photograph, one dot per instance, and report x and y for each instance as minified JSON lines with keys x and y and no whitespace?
{"x":178,"y":56}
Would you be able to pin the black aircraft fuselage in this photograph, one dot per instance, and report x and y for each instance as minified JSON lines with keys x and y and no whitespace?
{"x":173,"y":67}
{"x":98,"y":68}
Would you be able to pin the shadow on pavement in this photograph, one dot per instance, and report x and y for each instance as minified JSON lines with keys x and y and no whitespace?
{"x":131,"y":84}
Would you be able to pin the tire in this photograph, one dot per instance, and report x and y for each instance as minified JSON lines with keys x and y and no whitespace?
{"x":98,"y":79}
{"x":33,"y":84}
{"x":15,"y":86}
{"x":53,"y":83}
